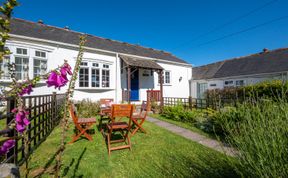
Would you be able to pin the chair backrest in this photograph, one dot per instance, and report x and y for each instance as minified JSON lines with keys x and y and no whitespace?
{"x":121,"y":110}
{"x":73,"y":113}
{"x":106,"y":101}
{"x":144,"y":108}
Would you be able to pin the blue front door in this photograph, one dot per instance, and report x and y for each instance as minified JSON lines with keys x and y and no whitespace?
{"x":134,"y":95}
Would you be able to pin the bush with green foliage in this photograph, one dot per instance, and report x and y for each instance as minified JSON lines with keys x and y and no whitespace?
{"x":87,"y":108}
{"x":179,"y":113}
{"x":259,"y":131}
{"x":231,"y":95}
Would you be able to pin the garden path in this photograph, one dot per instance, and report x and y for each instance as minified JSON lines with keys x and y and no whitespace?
{"x":203,"y":140}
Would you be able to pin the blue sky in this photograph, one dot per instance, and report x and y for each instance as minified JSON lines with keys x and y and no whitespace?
{"x":170,"y":25}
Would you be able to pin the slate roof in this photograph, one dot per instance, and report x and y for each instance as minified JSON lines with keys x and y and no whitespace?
{"x":260,"y":63}
{"x":43,"y":31}
{"x":142,"y":63}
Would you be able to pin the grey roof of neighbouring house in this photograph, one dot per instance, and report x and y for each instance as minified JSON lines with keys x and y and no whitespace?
{"x":42,"y":31}
{"x":261,"y":63}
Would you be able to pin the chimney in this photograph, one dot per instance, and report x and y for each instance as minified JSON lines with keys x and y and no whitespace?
{"x":40,"y":21}
{"x":265,"y":50}
{"x":66,"y":28}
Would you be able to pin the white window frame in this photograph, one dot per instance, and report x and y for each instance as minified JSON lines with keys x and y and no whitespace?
{"x":84,"y":67}
{"x":109,"y":77}
{"x":21,"y":54}
{"x":4,"y":68}
{"x":101,"y":66}
{"x":99,"y":70}
{"x":237,"y":85}
{"x":229,"y":85}
{"x":41,"y":51}
{"x":170,"y":77}
{"x":40,"y":59}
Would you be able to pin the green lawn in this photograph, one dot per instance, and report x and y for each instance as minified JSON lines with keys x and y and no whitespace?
{"x":188,"y":126}
{"x":159,"y":153}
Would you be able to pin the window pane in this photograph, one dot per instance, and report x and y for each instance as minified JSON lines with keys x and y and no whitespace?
{"x":36,"y":62}
{"x":84,"y":64}
{"x":167,"y":77}
{"x":21,"y":51}
{"x":105,"y":78}
{"x":4,"y":68}
{"x":95,"y":78}
{"x":22,"y":68}
{"x":95,"y":65}
{"x":40,"y":67}
{"x":84,"y":77}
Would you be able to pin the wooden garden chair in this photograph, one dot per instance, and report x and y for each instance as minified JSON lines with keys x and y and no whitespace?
{"x":105,"y":111}
{"x":82,"y":125}
{"x":119,"y":111}
{"x":139,"y":118}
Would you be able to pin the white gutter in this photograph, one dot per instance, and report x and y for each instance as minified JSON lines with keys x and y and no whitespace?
{"x":93,"y":49}
{"x":240,"y":76}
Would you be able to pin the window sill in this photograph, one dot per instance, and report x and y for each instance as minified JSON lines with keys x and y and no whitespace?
{"x":165,"y":84}
{"x":88,"y":88}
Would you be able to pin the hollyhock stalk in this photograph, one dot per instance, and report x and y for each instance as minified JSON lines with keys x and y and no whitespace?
{"x":64,"y":122}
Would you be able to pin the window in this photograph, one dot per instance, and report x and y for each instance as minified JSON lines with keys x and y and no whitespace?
{"x":95,"y":64}
{"x":40,"y":54}
{"x":228,"y":83}
{"x":213,"y":85}
{"x":167,"y":77}
{"x":105,"y":78}
{"x":40,"y":67}
{"x":4,"y":68}
{"x":84,"y":77}
{"x":22,"y":68}
{"x":84,"y":63}
{"x":201,"y":89}
{"x":94,"y":75}
{"x":239,"y":83}
{"x":21,"y":51}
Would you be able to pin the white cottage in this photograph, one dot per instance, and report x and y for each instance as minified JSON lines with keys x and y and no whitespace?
{"x":109,"y":67}
{"x":247,"y":70}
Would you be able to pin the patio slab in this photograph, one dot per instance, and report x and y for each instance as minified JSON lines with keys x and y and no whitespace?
{"x":203,"y":140}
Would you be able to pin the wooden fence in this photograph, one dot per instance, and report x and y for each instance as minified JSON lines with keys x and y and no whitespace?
{"x":44,"y":114}
{"x":188,"y":103}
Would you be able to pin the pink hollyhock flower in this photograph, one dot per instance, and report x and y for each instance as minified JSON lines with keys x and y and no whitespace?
{"x":61,"y":81}
{"x":68,"y":68}
{"x":52,"y":79}
{"x":7,"y":145}
{"x":26,"y":90}
{"x":21,"y":121}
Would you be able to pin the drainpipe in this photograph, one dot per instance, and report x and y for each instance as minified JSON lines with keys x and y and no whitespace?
{"x":116,"y":79}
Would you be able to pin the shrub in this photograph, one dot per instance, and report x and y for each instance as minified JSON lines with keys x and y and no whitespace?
{"x":259,"y":131}
{"x":268,"y":89}
{"x":179,"y":113}
{"x":87,"y":108}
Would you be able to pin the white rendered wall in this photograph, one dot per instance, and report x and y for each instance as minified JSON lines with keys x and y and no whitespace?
{"x":56,"y":56}
{"x":177,"y":88}
{"x":248,"y":80}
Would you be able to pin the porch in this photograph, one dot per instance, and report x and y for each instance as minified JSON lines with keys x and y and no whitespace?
{"x":138,"y":81}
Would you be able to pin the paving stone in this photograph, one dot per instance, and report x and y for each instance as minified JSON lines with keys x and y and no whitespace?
{"x":203,"y":140}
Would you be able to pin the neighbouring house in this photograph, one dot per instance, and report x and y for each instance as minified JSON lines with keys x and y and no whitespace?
{"x":240,"y":71}
{"x":109,"y":69}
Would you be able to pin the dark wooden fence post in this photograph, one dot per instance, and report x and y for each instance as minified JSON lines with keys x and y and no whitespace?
{"x":190,"y":102}
{"x":54,"y":110}
{"x":11,"y":104}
